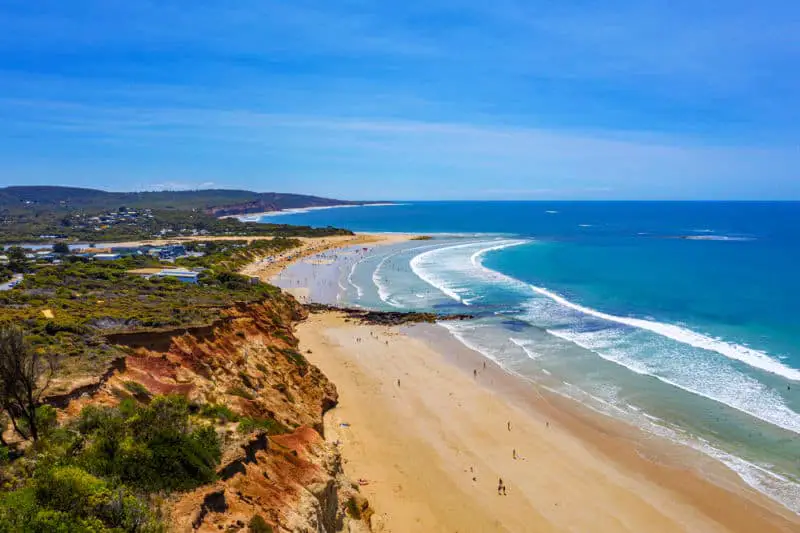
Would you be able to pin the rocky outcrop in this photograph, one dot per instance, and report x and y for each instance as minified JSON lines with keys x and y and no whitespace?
{"x":385,"y":318}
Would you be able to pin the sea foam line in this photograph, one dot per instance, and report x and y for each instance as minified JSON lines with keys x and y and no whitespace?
{"x":359,"y":290}
{"x":771,"y":410}
{"x":383,"y":291}
{"x":524,"y":345}
{"x":776,"y":486}
{"x":749,"y":356}
{"x":754,"y":358}
{"x":417,"y":267}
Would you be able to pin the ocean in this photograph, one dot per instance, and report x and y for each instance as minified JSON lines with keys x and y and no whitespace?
{"x":680,"y":317}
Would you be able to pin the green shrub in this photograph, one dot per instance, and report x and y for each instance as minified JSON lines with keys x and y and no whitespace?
{"x":71,"y":489}
{"x":353,"y":509}
{"x":136,"y":388}
{"x":259,"y":525}
{"x":295,"y":357}
{"x":68,"y":499}
{"x":237,"y":390}
{"x":246,"y":379}
{"x":219,"y":412}
{"x":150,"y":447}
{"x":270,"y":425}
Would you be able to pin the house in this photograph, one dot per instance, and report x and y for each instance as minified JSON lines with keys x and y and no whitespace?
{"x":125,"y":250}
{"x":45,"y":255}
{"x":106,"y":257}
{"x":187,"y":276}
{"x":170,"y":251}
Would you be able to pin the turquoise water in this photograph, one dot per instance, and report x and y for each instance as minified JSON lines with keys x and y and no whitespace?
{"x":680,"y":317}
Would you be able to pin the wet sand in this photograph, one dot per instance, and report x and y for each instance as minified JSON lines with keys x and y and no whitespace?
{"x":269,"y":267}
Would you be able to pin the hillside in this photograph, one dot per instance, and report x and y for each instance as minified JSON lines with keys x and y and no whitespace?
{"x":42,"y":214}
{"x":41,"y":199}
{"x":172,"y":407}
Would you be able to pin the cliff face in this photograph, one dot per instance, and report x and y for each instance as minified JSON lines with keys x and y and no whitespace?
{"x":248,"y":363}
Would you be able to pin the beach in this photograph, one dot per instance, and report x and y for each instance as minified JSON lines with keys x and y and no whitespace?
{"x":269,"y":267}
{"x":430,"y":449}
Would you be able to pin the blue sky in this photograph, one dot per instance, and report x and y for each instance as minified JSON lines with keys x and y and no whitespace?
{"x":439,"y":99}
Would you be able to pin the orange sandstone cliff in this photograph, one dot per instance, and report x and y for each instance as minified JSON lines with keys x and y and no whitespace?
{"x":247,"y":362}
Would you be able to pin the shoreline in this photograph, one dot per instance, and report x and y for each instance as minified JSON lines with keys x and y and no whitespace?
{"x":253,"y":217}
{"x":689,"y":490}
{"x":269,"y":267}
{"x":430,"y":450}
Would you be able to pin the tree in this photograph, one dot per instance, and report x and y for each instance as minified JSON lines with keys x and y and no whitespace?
{"x":24,"y":376}
{"x":17,"y":261}
{"x":61,"y":248}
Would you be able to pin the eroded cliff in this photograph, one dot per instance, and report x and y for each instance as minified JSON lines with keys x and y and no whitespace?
{"x":267,"y":401}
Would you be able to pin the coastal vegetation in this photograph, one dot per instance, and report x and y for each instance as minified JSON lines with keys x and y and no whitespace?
{"x":97,"y":433}
{"x":70,"y":308}
{"x":41,"y":214}
{"x":81,"y":227}
{"x":106,"y":469}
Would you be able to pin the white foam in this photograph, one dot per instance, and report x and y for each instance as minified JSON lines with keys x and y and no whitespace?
{"x":423,"y":265}
{"x":383,"y":289}
{"x":733,"y":238}
{"x":779,"y":488}
{"x":458,"y":333}
{"x":754,"y":358}
{"x":741,"y":392}
{"x":359,"y":290}
{"x":525,"y":348}
{"x":417,"y":267}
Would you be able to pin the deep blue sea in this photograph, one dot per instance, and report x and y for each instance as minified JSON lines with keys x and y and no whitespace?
{"x":682,"y":317}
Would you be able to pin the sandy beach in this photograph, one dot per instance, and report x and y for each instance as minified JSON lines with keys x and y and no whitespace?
{"x":432,"y":447}
{"x":430,"y":428}
{"x":269,"y":267}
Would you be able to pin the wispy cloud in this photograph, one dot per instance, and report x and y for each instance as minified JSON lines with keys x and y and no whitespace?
{"x":437,"y":98}
{"x":178,"y":186}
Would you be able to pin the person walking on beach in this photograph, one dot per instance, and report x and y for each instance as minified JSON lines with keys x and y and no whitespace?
{"x":509,"y":425}
{"x":475,"y":373}
{"x":500,"y":487}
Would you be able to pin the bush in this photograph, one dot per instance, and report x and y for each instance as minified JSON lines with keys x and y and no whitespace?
{"x":150,"y":447}
{"x":68,"y":499}
{"x":71,"y":489}
{"x":137,"y":389}
{"x":353,"y":509}
{"x":219,"y":412}
{"x":259,"y":525}
{"x":241,"y":392}
{"x":270,"y":425}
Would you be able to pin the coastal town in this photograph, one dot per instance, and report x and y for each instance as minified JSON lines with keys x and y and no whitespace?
{"x":160,"y":259}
